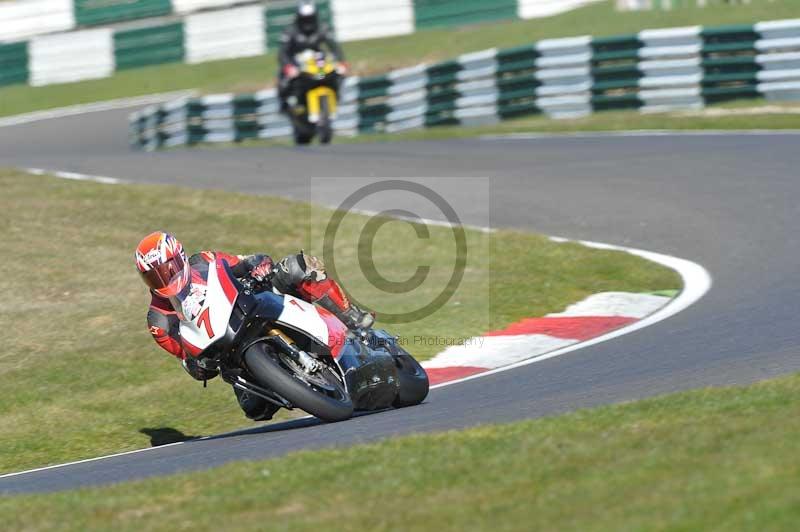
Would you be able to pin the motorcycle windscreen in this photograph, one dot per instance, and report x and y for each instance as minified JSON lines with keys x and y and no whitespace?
{"x":189,"y":301}
{"x":206,"y":308}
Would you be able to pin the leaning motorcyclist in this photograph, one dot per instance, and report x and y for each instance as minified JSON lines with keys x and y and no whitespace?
{"x":307,"y":33}
{"x":164,"y":268}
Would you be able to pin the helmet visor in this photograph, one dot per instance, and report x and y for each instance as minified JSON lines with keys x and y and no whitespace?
{"x":167,"y":279}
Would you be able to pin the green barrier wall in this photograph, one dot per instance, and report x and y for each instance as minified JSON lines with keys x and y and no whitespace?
{"x":281,"y":15}
{"x":667,"y":70}
{"x":94,"y":12}
{"x":13,"y":63}
{"x":149,"y":46}
{"x":439,"y":13}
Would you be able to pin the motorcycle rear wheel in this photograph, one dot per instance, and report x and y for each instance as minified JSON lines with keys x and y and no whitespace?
{"x":329,"y":402}
{"x":414,"y":384}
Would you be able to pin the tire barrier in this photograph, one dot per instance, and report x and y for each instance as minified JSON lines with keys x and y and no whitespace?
{"x":654,"y":70}
{"x":210,"y":30}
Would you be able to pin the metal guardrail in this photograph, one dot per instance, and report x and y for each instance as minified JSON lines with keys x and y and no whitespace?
{"x":654,"y":70}
{"x":195,"y":31}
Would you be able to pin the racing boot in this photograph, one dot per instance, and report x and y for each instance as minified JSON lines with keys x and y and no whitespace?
{"x":353,"y":317}
{"x":255,"y":407}
{"x":329,"y":295}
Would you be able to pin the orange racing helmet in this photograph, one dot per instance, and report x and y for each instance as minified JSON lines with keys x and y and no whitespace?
{"x":162,"y":264}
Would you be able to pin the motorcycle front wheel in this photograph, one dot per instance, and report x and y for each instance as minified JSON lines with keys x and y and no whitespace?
{"x":302,"y":139}
{"x":324,"y":128}
{"x":321,"y":394}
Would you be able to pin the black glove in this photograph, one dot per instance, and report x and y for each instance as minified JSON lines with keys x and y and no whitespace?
{"x":197,"y":372}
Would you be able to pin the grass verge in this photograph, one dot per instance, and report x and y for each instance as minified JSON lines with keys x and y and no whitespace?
{"x":601,"y":121}
{"x":82,"y":377}
{"x":715,"y":459}
{"x":605,"y":121}
{"x":381,"y":55}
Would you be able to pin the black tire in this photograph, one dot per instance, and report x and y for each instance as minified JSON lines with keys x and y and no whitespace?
{"x":413,"y":379}
{"x":272,"y":374}
{"x":302,"y":139}
{"x":325,"y":135}
{"x":324,"y":128}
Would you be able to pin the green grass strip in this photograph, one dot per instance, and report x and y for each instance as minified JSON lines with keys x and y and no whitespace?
{"x":715,"y":459}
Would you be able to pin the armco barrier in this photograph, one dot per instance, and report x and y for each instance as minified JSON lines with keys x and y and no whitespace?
{"x":13,"y":63}
{"x":547,"y":8}
{"x":251,"y":28}
{"x":189,"y":6}
{"x":94,"y":13}
{"x":443,"y":13}
{"x":148,"y":46}
{"x":22,"y":19}
{"x":356,"y":20}
{"x":225,"y":34}
{"x":654,"y":70}
{"x":65,"y":57}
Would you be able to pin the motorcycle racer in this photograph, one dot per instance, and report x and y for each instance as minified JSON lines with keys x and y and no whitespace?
{"x":177,"y":285}
{"x":306,"y":33}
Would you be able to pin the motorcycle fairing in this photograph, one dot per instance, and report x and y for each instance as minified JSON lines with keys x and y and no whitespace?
{"x":314,"y":321}
{"x":206,"y":321}
{"x":317,"y":84}
{"x":337,"y":331}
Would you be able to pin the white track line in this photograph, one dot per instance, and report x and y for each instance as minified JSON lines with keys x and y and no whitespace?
{"x":696,"y":282}
{"x":76,"y":176}
{"x":56,"y":466}
{"x":642,"y":133}
{"x":108,"y":105}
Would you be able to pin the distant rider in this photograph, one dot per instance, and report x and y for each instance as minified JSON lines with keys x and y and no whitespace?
{"x":307,"y":33}
{"x":165,"y":269}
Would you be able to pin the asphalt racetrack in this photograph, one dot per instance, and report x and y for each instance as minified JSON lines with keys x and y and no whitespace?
{"x":728,"y":202}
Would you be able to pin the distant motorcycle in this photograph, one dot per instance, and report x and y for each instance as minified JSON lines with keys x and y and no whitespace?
{"x":313,"y":101}
{"x":295,"y":354}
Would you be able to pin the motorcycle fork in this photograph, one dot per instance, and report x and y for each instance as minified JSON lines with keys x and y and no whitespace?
{"x":305,"y":360}
{"x":314,"y":102}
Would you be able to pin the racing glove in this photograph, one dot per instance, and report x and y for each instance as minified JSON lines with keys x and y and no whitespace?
{"x":262,"y":270}
{"x":290,"y":71}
